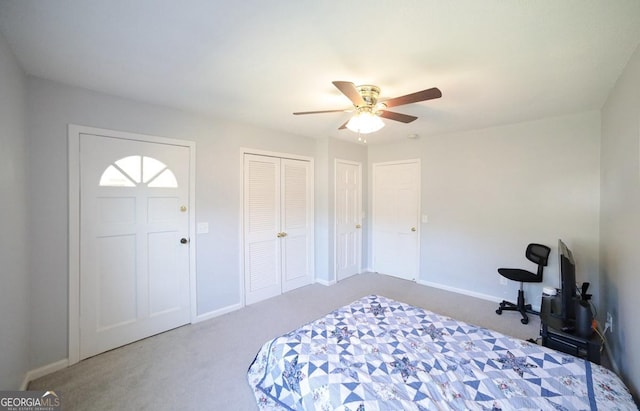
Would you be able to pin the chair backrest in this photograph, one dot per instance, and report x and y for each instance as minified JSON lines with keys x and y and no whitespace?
{"x":538,"y":254}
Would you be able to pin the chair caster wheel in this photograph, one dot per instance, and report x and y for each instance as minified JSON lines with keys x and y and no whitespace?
{"x":524,"y":321}
{"x":499,"y":311}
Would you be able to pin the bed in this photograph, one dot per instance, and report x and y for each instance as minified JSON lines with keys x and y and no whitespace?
{"x":381,"y":354}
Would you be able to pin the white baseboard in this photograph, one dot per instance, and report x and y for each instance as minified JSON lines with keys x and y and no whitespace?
{"x":462,"y":291}
{"x":216,"y":313}
{"x":42,"y":371}
{"x":325,"y":282}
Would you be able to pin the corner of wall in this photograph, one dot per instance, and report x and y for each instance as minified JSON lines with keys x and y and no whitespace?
{"x":15,"y":301}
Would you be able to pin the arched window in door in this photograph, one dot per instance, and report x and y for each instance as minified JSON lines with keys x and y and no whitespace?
{"x":135,"y":170}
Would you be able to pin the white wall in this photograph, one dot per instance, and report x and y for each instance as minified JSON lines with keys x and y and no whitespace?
{"x":620,"y":220}
{"x":488,"y":193}
{"x":14,"y":270}
{"x":51,"y":106}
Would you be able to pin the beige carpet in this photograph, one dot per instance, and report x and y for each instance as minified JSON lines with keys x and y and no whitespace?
{"x":203,"y":366}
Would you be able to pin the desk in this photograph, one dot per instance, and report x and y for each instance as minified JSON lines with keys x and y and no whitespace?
{"x":568,"y":342}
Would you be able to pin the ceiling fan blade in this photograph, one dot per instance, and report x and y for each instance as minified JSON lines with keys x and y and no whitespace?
{"x":403,"y":118}
{"x":343,"y":126}
{"x":349,"y":89}
{"x":320,"y":111}
{"x":428,"y":94}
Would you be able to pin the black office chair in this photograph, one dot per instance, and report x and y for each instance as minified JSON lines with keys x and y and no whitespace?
{"x":538,"y":254}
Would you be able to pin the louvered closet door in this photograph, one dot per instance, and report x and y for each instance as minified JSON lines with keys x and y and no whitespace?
{"x":261,"y":225}
{"x":296,"y":205}
{"x":278,"y":239}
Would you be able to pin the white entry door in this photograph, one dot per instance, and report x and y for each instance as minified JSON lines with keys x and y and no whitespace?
{"x":278,"y":220}
{"x":134,"y":240}
{"x":396,"y":208}
{"x":348,"y":219}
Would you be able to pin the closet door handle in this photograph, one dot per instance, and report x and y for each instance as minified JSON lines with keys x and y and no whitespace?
{"x":282,"y":234}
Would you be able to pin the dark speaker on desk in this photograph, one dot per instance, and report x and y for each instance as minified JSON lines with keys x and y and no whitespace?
{"x":584,"y":318}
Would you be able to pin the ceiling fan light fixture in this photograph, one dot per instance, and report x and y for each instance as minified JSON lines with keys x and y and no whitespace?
{"x":365,"y":122}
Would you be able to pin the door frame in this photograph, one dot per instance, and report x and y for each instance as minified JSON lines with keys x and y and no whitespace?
{"x":74,"y":132}
{"x":373,"y":209}
{"x":335,"y":220}
{"x":312,"y":251}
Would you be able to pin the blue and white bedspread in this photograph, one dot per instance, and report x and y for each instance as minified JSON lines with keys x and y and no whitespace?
{"x":380,"y":354}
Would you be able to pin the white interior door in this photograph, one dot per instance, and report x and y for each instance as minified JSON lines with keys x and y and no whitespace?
{"x":396,"y":208}
{"x":348,"y":219}
{"x":134,"y":241}
{"x":262,"y":259}
{"x":296,"y":234}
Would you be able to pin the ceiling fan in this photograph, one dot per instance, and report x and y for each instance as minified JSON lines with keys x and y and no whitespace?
{"x":368,"y":109}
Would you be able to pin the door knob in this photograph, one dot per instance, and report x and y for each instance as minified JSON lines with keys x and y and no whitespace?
{"x":413,"y":229}
{"x":282,"y":234}
{"x":358,"y":226}
{"x":183,"y":240}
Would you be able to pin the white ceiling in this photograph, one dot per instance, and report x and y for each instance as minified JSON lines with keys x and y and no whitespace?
{"x":256,"y":61}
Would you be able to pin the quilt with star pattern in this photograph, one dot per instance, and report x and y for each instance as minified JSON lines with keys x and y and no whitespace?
{"x":380,"y":354}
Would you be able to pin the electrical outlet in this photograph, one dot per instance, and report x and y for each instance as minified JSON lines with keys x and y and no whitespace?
{"x":609,"y":324}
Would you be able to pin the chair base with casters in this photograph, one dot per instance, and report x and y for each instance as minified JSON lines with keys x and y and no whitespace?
{"x":536,"y":253}
{"x":520,"y":306}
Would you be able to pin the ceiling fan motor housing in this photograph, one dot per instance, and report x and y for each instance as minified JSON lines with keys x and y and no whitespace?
{"x":369,"y":94}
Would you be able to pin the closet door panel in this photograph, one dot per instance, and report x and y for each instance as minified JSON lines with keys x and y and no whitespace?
{"x":262,"y":248}
{"x":296,"y":212}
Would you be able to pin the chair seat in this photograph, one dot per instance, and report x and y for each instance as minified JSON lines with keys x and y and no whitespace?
{"x":516,"y":274}
{"x":538,"y":254}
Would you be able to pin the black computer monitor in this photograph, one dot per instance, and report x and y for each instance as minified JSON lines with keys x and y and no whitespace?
{"x":567,"y":283}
